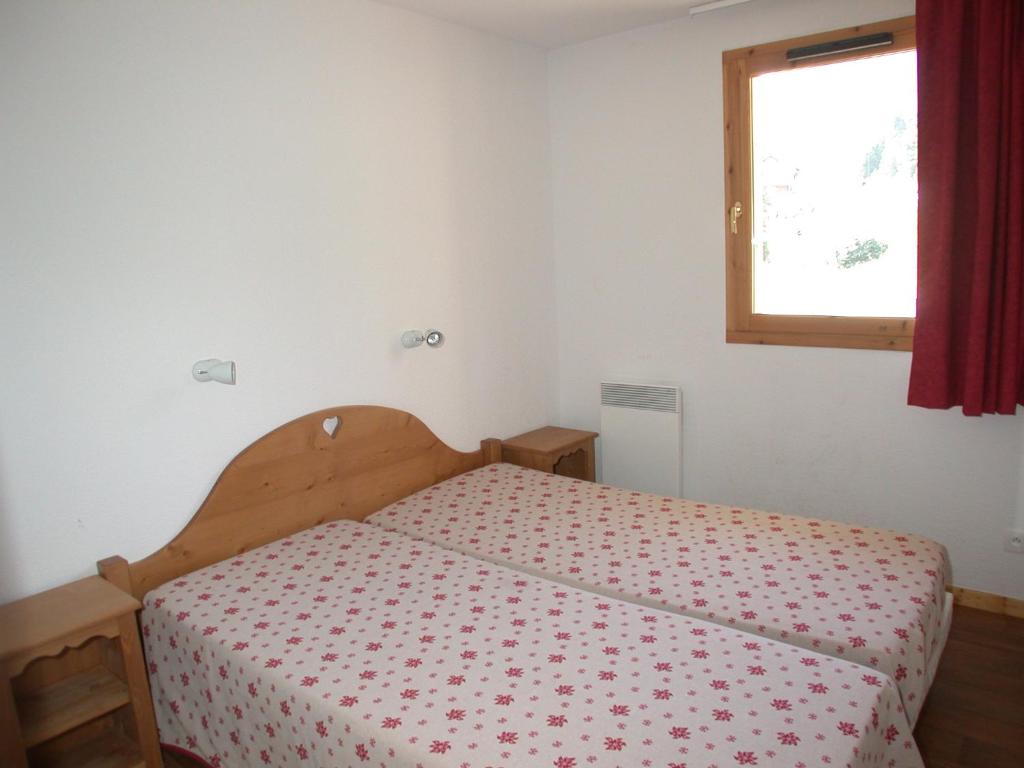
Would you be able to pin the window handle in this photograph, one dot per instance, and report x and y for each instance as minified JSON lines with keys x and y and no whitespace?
{"x":734,"y":216}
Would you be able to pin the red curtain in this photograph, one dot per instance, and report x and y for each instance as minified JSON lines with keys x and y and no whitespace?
{"x":969,"y":337}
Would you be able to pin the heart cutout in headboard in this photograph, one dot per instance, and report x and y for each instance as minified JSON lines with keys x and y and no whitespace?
{"x":331,"y":426}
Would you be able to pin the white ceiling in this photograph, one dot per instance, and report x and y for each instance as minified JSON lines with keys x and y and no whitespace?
{"x":551,"y":23}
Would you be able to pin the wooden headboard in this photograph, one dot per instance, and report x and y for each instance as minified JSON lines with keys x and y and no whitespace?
{"x":339,"y":464}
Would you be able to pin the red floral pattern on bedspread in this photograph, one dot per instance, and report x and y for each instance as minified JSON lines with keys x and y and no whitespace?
{"x":346,"y":645}
{"x":864,"y":594}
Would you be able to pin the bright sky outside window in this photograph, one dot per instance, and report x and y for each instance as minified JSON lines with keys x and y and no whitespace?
{"x":834,"y":163}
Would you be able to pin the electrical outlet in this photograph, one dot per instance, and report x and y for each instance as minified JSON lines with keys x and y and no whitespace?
{"x":1014,"y":541}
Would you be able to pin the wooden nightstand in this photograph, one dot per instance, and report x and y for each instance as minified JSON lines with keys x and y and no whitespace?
{"x":73,"y":687}
{"x":568,"y":452}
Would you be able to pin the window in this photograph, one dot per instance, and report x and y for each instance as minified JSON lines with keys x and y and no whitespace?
{"x":821,"y":189}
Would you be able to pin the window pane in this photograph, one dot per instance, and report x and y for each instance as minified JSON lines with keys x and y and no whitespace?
{"x":835,"y":188}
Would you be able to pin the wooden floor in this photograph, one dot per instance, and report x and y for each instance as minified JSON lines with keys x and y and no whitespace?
{"x":974,"y":716}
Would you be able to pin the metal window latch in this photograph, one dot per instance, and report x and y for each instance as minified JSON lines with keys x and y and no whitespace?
{"x":734,"y":216}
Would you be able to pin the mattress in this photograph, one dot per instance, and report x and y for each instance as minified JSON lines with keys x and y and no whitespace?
{"x":347,"y":645}
{"x":872,"y":596}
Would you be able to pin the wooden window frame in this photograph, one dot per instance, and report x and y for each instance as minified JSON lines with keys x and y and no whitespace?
{"x":742,"y":324}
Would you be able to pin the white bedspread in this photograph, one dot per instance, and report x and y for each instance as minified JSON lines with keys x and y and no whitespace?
{"x":872,"y":596}
{"x":346,"y":645}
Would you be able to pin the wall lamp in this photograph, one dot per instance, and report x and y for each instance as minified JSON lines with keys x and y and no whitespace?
{"x":214,"y":370}
{"x":433,"y":337}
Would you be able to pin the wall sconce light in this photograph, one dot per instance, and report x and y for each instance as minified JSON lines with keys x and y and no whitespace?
{"x":214,"y":370}
{"x":433,"y":337}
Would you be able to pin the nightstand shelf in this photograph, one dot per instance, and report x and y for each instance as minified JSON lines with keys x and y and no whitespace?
{"x":69,"y":703}
{"x":105,"y":749}
{"x":73,"y":688}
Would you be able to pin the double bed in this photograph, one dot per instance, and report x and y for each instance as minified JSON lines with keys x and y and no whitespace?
{"x":281,"y":630}
{"x":346,"y":645}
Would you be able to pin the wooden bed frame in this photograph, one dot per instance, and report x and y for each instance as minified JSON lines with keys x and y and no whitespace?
{"x":338,"y":464}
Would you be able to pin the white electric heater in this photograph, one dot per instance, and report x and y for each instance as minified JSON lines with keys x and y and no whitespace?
{"x":641,"y":437}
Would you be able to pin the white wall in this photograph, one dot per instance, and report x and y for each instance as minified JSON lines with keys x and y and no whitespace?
{"x":291,"y":185}
{"x":638,"y":223}
{"x":286,"y":184}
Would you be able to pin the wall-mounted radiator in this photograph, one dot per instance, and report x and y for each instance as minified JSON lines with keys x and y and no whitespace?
{"x":642,"y":436}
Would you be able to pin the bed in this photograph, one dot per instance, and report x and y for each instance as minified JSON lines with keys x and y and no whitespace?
{"x":872,"y":596}
{"x":279,"y":630}
{"x":348,"y":645}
